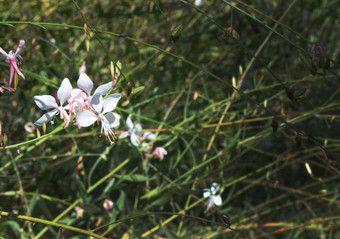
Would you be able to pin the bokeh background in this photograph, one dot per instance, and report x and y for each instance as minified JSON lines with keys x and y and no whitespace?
{"x":282,"y":184}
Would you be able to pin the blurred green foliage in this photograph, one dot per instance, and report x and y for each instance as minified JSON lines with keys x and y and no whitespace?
{"x":264,"y":175}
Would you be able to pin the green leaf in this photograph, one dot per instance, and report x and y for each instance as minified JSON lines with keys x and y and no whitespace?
{"x":135,"y":178}
{"x":119,"y":207}
{"x":13,"y":225}
{"x":109,"y":186}
{"x":151,"y":193}
{"x":38,"y":25}
{"x":162,"y":200}
{"x":7,"y":24}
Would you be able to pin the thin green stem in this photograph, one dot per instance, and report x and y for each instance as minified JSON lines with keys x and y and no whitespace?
{"x":44,"y":137}
{"x":49,"y":223}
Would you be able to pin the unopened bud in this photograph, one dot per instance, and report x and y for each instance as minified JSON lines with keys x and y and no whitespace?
{"x":16,"y":79}
{"x":195,"y":95}
{"x":88,"y":33}
{"x":18,"y":150}
{"x":5,"y":140}
{"x":87,"y":42}
{"x":275,"y":124}
{"x":176,"y":33}
{"x":108,"y":204}
{"x":234,"y":34}
{"x":38,"y":133}
{"x":128,"y":89}
{"x":82,"y":69}
{"x":44,"y":127}
{"x":138,"y":90}
{"x":115,"y":72}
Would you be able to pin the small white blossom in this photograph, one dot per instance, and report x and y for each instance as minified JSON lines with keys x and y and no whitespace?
{"x":136,"y":133}
{"x":46,"y":102}
{"x":101,"y":110}
{"x":211,"y":195}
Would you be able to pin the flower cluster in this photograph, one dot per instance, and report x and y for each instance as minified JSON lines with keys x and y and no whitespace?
{"x":137,"y":136}
{"x":80,"y":105}
{"x":13,"y":58}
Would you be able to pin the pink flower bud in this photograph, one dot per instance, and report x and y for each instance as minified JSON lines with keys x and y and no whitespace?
{"x":160,"y":152}
{"x":108,"y":204}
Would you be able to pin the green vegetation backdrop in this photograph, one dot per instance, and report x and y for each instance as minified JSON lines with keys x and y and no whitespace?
{"x":244,"y":94}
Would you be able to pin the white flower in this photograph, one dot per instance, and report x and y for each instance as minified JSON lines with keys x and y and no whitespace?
{"x":12,"y":59}
{"x":46,"y":102}
{"x":160,"y":152}
{"x":108,"y":204}
{"x":198,"y":2}
{"x":136,"y":133}
{"x":211,"y":195}
{"x":81,"y":101}
{"x":101,"y":110}
{"x":85,"y":83}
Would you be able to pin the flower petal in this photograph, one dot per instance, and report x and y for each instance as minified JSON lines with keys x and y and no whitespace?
{"x":5,"y":53}
{"x":20,"y":47}
{"x":64,"y":92}
{"x":124,"y":134}
{"x":12,"y":71}
{"x":46,"y":117}
{"x":160,"y":152}
{"x":210,"y":203}
{"x":134,"y":139}
{"x":45,"y":102}
{"x":15,"y":66}
{"x":113,"y":119}
{"x":110,"y":102}
{"x":149,"y":136}
{"x":206,"y":194}
{"x":217,"y":200}
{"x":97,"y":103}
{"x":103,"y":89}
{"x":138,"y":130}
{"x":86,"y":118}
{"x":77,"y":94}
{"x":214,"y":188}
{"x":129,"y":123}
{"x":85,"y":83}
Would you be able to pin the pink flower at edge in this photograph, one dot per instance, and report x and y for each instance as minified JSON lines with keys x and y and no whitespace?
{"x":160,"y":152}
{"x":12,"y":59}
